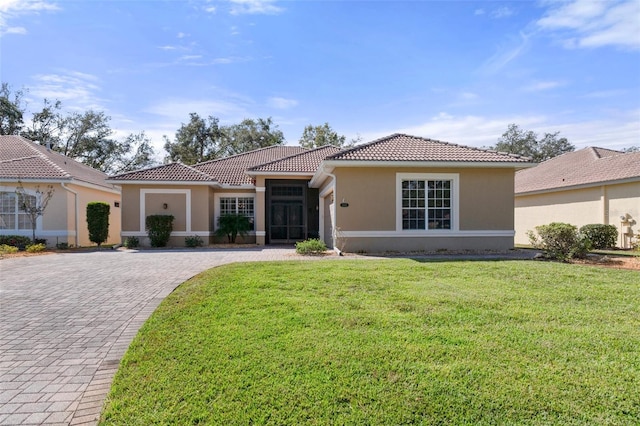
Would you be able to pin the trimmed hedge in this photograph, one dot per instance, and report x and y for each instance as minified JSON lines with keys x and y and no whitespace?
{"x":601,"y":236}
{"x":98,"y":221}
{"x":159,"y":228}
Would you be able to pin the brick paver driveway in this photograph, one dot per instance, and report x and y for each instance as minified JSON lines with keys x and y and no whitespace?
{"x":67,"y":319}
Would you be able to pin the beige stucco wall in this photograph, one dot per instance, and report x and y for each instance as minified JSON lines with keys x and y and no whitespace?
{"x":601,"y":204}
{"x":486,"y":198}
{"x":59,"y":220}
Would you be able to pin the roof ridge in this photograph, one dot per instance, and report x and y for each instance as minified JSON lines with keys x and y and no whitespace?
{"x":35,"y":147}
{"x":308,"y":151}
{"x":198,"y":171}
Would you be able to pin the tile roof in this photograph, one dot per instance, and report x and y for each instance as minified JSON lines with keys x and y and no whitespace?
{"x":177,"y":172}
{"x":232,"y":170}
{"x":21,"y":158}
{"x":304,"y":162}
{"x":401,"y":147}
{"x":227,"y":171}
{"x":586,"y":166}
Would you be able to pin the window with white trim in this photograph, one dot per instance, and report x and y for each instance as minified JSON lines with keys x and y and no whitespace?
{"x":427,"y":201}
{"x":11,"y":217}
{"x":238,"y":205}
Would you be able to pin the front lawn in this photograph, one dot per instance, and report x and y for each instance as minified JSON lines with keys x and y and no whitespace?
{"x":388,"y":342}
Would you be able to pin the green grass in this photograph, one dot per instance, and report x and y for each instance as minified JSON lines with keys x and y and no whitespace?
{"x":388,"y":342}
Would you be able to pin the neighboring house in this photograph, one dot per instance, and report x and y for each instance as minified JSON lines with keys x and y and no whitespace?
{"x":592,"y":185}
{"x":74,"y":184}
{"x":399,"y":193}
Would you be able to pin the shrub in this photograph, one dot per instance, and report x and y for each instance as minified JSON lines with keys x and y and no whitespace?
{"x":98,"y":221}
{"x":40,"y":241}
{"x":232,"y":225}
{"x":131,"y":242}
{"x":62,"y":246}
{"x":560,"y":241}
{"x":159,"y":229}
{"x":15,"y":240}
{"x":36,"y":248}
{"x":193,"y":241}
{"x":7,"y":249}
{"x":311,"y":246}
{"x":601,"y":236}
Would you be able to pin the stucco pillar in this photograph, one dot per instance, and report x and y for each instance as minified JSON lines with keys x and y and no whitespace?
{"x":260,"y":208}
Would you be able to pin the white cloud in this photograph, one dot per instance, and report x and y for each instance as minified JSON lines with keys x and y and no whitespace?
{"x":13,"y":9}
{"x":254,"y":7}
{"x":502,"y":12}
{"x":591,"y":23}
{"x":539,"y":86}
{"x":281,"y":103}
{"x":76,"y":90}
{"x":506,"y":54}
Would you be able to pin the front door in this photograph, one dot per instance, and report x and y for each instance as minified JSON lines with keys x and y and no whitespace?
{"x":287,"y":221}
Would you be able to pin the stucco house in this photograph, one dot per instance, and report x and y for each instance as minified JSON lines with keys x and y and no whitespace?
{"x":398,"y":193}
{"x":591,"y":185}
{"x":74,"y":185}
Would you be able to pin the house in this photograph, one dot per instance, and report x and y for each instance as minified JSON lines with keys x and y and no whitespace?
{"x":75,"y":185}
{"x":591,"y":185}
{"x":399,"y":193}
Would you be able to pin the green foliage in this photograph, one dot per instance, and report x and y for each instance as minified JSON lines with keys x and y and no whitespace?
{"x":7,"y":249}
{"x":159,"y":228}
{"x":601,"y":236}
{"x":311,"y":246}
{"x":315,"y":136}
{"x":193,"y":241}
{"x":36,"y":248}
{"x":232,"y":225}
{"x":387,"y":342}
{"x":196,"y":141}
{"x":251,"y":134}
{"x":527,"y":144}
{"x":560,"y":241}
{"x":15,"y":240}
{"x":62,"y":246}
{"x":12,"y":110}
{"x":98,"y":221}
{"x":131,"y":242}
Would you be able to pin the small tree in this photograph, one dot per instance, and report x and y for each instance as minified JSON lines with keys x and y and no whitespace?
{"x":98,"y":221}
{"x":34,"y":205}
{"x":230,"y":225}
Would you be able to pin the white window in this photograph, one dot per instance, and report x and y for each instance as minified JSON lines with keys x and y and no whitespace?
{"x":237,"y":205}
{"x":11,"y":217}
{"x":427,"y":201}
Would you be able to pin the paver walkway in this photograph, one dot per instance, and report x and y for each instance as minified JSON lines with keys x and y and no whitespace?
{"x":67,"y":319}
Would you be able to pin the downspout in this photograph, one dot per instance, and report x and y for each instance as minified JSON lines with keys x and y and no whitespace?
{"x":335,"y":212}
{"x":75,"y":198}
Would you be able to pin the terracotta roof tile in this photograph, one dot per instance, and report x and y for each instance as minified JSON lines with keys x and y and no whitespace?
{"x":304,"y":162}
{"x":21,"y":158}
{"x":233,"y":170}
{"x":400,"y":147}
{"x":586,"y":166}
{"x":168,"y":172}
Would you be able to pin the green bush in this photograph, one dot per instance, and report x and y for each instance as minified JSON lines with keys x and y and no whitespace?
{"x":131,"y":242}
{"x":193,"y":241}
{"x":36,"y":248}
{"x":560,"y":241}
{"x":232,"y":225}
{"x":7,"y":249}
{"x":15,"y":240}
{"x":98,"y":221}
{"x":601,"y":236}
{"x":311,"y":246}
{"x":62,"y":246}
{"x":159,"y":229}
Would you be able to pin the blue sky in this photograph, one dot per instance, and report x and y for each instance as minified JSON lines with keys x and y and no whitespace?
{"x":458,"y":71}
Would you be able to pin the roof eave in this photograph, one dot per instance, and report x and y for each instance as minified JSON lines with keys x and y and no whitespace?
{"x":163,"y":182}
{"x":261,"y":173}
{"x":438,"y":164}
{"x":580,"y":186}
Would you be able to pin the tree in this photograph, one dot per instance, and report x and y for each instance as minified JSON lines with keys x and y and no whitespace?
{"x":197,"y":141}
{"x":527,"y":144}
{"x":11,"y":111}
{"x":632,"y":148}
{"x":34,"y":205}
{"x":135,"y":152}
{"x":251,"y":134}
{"x":233,"y":224}
{"x":98,"y":221}
{"x":47,"y":125}
{"x":316,"y":136}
